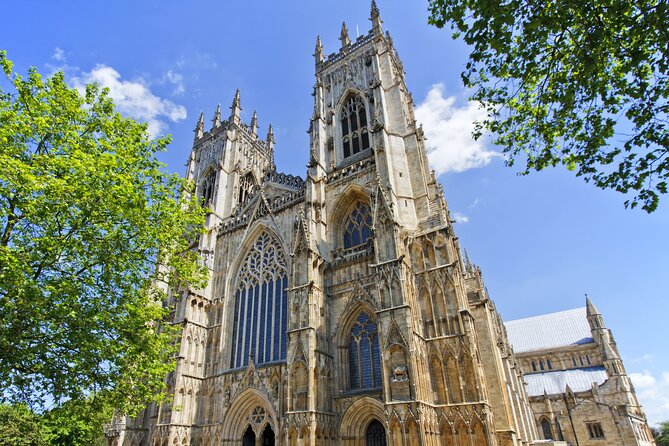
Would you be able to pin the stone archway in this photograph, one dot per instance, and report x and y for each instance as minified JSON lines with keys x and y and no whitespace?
{"x":358,"y":418}
{"x":250,"y":416}
{"x":376,"y":434}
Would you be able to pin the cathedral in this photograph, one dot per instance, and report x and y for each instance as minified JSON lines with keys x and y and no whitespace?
{"x":339,"y":309}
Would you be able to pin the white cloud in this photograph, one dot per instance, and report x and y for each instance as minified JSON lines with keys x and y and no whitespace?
{"x":653,"y":395}
{"x":459,"y":217}
{"x":133,"y":98}
{"x":177,"y":80}
{"x":448,"y":128}
{"x":58,"y":55}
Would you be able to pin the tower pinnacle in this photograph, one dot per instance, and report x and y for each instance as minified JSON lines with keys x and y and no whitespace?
{"x":375,"y":17}
{"x":254,"y":123}
{"x":318,"y":53}
{"x":199,"y":128}
{"x":217,"y":116}
{"x":345,"y":40}
{"x":236,"y":107}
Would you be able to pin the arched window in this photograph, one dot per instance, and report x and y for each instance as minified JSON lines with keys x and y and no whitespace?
{"x":259,"y":326}
{"x":247,"y":186}
{"x":546,"y":428}
{"x":358,"y":226}
{"x":534,"y":366}
{"x":364,"y":360}
{"x":354,"y":132}
{"x":207,"y":187}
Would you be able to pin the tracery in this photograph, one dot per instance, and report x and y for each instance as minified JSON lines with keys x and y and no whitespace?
{"x":259,"y":326}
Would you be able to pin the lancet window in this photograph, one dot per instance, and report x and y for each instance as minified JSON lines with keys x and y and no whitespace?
{"x":247,"y":186}
{"x":261,"y":301}
{"x":364,"y":359}
{"x":207,"y":187}
{"x":358,"y":226}
{"x":354,"y":131}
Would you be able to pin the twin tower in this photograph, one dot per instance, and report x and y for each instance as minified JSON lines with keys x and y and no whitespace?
{"x":339,"y":308}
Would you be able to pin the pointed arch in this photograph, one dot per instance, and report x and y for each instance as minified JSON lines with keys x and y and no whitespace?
{"x":359,"y":415}
{"x":207,"y":188}
{"x":299,"y":385}
{"x":353,"y":124}
{"x":260,"y":303}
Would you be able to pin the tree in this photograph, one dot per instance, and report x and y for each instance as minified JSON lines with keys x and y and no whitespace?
{"x":91,"y":234}
{"x":78,"y":422}
{"x":662,"y":434}
{"x":19,"y":426}
{"x":582,"y":84}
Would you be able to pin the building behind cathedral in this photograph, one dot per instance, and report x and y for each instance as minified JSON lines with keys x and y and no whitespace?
{"x":339,"y":308}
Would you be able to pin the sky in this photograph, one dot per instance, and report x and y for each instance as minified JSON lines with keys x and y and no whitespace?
{"x":542,"y":241}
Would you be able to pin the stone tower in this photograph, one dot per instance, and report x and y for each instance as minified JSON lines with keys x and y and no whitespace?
{"x":340,"y":309}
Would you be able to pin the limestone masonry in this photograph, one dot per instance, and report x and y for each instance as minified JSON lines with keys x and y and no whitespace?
{"x":340,"y":309}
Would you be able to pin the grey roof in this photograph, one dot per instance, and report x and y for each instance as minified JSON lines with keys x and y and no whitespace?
{"x":548,"y":331}
{"x":555,"y":382}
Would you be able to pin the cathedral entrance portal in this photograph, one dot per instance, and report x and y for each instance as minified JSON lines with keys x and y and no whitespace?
{"x":376,"y":434}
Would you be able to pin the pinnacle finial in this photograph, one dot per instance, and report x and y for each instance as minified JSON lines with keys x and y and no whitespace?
{"x":375,"y":17}
{"x":236,"y":107}
{"x":345,"y":40}
{"x":590,"y":307}
{"x":318,"y":53}
{"x":254,"y":123}
{"x":217,"y":116}
{"x":270,"y":134}
{"x":199,"y":128}
{"x":236,"y":100}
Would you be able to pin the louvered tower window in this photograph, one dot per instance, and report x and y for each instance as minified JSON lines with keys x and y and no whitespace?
{"x":358,"y":226}
{"x":259,"y":325}
{"x":207,"y":187}
{"x":247,"y":187}
{"x":354,"y":131}
{"x":363,"y":354}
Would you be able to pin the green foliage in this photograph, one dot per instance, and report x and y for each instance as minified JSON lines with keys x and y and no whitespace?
{"x":91,"y":233}
{"x":571,"y":82}
{"x":662,"y":434}
{"x":19,"y":426}
{"x":78,"y":422}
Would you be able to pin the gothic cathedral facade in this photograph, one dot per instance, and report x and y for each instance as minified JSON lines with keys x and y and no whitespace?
{"x":339,"y":308}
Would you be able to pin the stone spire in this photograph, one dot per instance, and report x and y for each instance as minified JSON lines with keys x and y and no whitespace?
{"x":217,"y":116}
{"x":254,"y":123}
{"x":318,"y":53}
{"x":270,"y":146}
{"x":236,"y":108}
{"x":199,"y":128}
{"x":375,"y":17}
{"x":345,"y":40}
{"x":595,"y":318}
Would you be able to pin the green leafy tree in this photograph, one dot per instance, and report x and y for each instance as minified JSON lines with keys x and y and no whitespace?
{"x":91,"y":233}
{"x":662,"y":434}
{"x":78,"y":422}
{"x":19,"y":426}
{"x":572,"y":82}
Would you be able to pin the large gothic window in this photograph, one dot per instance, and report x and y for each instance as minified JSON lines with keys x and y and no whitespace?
{"x":358,"y":226}
{"x":364,"y":360}
{"x":207,"y":187}
{"x":259,"y":326}
{"x":354,"y":131}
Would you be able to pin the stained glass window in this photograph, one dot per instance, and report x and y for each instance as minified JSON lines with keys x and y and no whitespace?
{"x":355,"y":135}
{"x":363,"y":354}
{"x":358,"y":226}
{"x":259,"y":323}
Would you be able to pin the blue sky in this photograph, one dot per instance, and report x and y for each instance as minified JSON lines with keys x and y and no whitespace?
{"x":542,"y":241}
